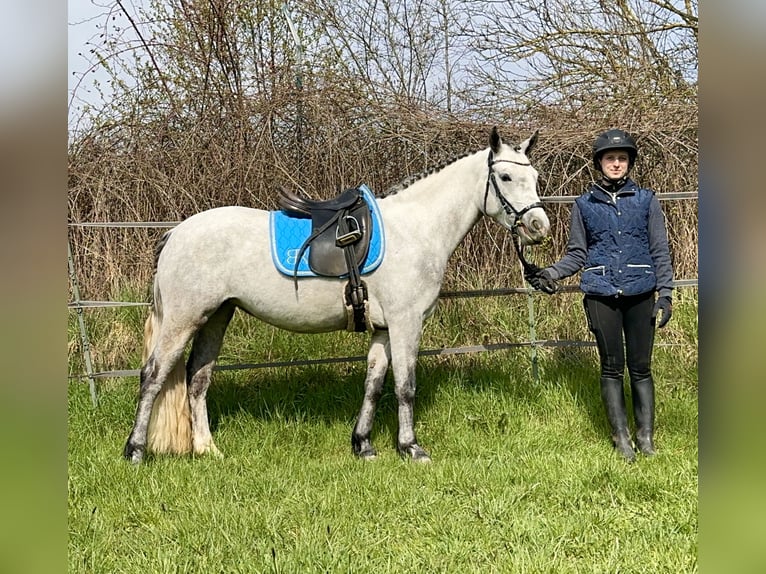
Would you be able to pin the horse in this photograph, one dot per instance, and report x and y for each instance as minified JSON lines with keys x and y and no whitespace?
{"x":219,"y":260}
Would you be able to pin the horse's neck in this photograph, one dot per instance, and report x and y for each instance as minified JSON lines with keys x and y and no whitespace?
{"x":444,"y":205}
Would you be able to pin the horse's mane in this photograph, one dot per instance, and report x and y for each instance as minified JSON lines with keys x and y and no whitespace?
{"x":410,"y":179}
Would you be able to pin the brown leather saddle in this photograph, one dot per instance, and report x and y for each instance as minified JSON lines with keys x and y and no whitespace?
{"x":341,"y":229}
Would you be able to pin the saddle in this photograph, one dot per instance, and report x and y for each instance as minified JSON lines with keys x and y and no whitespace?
{"x":341,"y":229}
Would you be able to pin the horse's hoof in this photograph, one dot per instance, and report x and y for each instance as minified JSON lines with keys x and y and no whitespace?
{"x":133,"y":453}
{"x":645,"y":445}
{"x":209,"y":449}
{"x":625,"y":449}
{"x":368,"y":454}
{"x":415,"y":452}
{"x":421,"y":456}
{"x":365,"y":452}
{"x":362,"y":447}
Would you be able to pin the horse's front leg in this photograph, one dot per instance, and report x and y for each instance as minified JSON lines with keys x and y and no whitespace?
{"x":405,"y":341}
{"x":378,"y":359}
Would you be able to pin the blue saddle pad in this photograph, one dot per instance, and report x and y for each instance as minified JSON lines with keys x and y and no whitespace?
{"x":287,"y":235}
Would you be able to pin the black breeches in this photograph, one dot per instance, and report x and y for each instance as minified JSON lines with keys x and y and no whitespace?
{"x":624,"y":331}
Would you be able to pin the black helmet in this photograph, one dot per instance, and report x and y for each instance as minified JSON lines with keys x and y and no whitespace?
{"x":614,"y":139}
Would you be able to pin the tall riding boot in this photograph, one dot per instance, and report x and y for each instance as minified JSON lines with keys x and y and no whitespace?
{"x":643,"y":411}
{"x":614,"y":403}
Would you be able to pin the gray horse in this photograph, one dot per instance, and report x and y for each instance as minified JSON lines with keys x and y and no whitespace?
{"x":218,"y":260}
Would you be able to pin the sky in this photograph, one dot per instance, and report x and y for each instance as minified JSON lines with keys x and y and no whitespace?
{"x":83,"y":18}
{"x":81,"y":26}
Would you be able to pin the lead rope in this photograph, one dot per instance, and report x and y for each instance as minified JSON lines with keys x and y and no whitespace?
{"x":529,"y":268}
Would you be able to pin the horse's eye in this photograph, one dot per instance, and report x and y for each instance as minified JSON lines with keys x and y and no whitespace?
{"x":505,"y":177}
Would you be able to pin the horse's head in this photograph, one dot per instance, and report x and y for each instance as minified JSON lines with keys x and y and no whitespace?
{"x":510,"y":197}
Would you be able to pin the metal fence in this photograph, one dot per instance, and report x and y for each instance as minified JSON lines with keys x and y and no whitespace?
{"x":79,"y":306}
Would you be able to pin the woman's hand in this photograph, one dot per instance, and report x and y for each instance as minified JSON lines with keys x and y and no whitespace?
{"x":542,"y":280}
{"x":664,"y":304}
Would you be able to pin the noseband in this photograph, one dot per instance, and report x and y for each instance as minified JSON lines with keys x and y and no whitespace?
{"x":508,"y":207}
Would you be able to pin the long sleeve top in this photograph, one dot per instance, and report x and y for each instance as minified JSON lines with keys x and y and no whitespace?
{"x":620,"y":243}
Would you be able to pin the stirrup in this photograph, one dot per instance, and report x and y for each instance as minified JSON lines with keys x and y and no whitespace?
{"x":353,"y":235}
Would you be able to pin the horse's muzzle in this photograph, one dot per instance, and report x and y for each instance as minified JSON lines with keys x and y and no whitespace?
{"x":533,"y":227}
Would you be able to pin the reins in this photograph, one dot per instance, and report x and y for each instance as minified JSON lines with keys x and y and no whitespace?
{"x":509,"y":209}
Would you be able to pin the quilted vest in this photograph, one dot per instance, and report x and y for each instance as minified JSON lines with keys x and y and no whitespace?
{"x":618,"y":260}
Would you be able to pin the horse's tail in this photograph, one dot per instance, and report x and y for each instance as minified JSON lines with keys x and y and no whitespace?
{"x":170,"y":430}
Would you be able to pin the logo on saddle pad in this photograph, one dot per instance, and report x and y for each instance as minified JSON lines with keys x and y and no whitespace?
{"x":288,"y":235}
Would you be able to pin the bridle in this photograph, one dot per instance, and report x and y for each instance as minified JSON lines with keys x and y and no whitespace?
{"x":508,"y":207}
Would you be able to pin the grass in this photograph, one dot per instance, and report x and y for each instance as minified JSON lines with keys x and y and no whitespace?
{"x":523,"y":478}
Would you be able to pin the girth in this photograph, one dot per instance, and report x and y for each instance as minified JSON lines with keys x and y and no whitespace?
{"x":341,"y":229}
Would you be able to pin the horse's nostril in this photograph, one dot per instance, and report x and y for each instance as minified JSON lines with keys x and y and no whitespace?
{"x":537,"y":225}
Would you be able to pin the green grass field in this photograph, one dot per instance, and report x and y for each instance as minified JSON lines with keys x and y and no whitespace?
{"x":523,"y":477}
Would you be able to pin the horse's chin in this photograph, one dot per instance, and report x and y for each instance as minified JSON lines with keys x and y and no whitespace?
{"x":528,"y":238}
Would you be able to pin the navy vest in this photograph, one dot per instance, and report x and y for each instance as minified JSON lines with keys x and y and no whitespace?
{"x":618,"y":260}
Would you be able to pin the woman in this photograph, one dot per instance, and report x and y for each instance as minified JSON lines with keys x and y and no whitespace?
{"x":617,"y":238}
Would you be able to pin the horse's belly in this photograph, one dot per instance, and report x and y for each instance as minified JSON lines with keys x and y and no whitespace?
{"x":316,"y":307}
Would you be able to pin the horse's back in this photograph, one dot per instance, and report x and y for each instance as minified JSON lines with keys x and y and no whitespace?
{"x":223,"y":237}
{"x":224,"y":254}
{"x":227,"y":218}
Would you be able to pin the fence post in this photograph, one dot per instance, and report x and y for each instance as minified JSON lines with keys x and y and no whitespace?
{"x":530,"y":323}
{"x":81,"y":322}
{"x":532,"y":335}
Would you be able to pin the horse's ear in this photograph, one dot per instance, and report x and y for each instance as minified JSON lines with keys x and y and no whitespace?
{"x":494,"y":140}
{"x":527,"y":145}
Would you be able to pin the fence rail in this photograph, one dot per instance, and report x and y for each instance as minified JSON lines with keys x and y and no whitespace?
{"x":669,"y":196}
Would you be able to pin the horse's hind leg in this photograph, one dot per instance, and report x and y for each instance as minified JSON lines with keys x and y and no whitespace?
{"x":199,"y":369}
{"x":161,"y":362}
{"x":378,"y":358}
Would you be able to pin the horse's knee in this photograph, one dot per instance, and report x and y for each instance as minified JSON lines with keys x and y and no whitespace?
{"x":405,"y":392}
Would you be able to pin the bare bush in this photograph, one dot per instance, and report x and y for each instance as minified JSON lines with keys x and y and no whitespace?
{"x":221,"y":108}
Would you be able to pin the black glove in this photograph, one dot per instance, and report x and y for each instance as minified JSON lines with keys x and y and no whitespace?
{"x":531,"y":270}
{"x":542,"y":280}
{"x":664,"y":304}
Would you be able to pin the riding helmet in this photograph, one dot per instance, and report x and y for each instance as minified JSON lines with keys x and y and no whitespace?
{"x":614,"y":139}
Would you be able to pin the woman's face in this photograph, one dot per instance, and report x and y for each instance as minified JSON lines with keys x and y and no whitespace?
{"x":615,"y":163}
